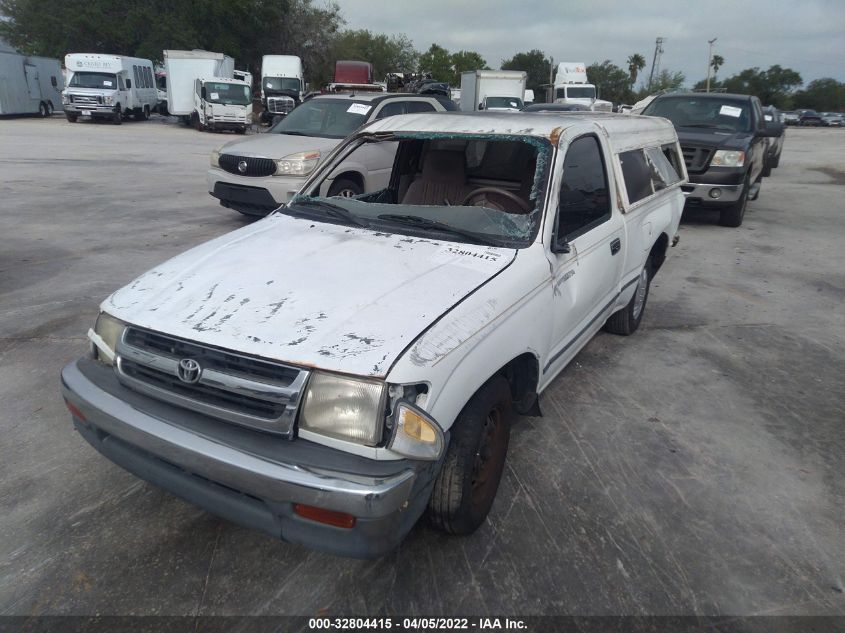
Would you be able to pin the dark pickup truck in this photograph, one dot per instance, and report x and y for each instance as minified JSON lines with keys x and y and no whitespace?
{"x":724,"y":139}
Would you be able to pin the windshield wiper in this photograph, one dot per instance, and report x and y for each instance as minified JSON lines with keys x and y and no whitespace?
{"x":289,"y":133}
{"x":425,"y":223}
{"x":330,"y":209}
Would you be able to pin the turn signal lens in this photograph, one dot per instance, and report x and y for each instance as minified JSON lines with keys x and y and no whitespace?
{"x":321,"y":515}
{"x":415,"y":434}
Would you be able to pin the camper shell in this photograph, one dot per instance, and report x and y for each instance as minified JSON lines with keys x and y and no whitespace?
{"x":108,"y":86}
{"x":29,"y":85}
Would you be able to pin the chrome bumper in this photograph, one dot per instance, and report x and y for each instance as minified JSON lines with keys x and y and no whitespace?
{"x":247,"y":488}
{"x":701,"y":191}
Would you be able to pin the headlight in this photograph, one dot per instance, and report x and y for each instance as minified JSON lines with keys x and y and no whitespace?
{"x":299,"y":164}
{"x":215,"y":158}
{"x":65,"y":99}
{"x":107,"y":333}
{"x":344,"y":408}
{"x":108,"y":100}
{"x":728,"y":158}
{"x":415,"y":434}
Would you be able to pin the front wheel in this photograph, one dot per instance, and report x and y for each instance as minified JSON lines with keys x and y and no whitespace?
{"x":627,"y":320}
{"x":345,"y":188}
{"x":42,"y":109}
{"x":117,"y":119}
{"x":195,"y":121}
{"x":467,"y":483}
{"x":732,"y":215}
{"x":49,"y":108}
{"x":71,"y":117}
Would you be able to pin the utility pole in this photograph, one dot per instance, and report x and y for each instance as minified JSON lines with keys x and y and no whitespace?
{"x":550,"y":93}
{"x":658,"y":49}
{"x":710,"y":61}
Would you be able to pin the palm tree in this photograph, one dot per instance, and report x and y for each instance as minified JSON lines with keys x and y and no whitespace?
{"x":717,"y":62}
{"x":636,"y":63}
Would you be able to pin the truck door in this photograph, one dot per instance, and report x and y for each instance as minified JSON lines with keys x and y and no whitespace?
{"x":32,"y":85}
{"x":586,"y":278}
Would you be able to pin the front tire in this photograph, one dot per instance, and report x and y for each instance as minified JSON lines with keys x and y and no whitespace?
{"x":117,"y":119}
{"x":626,"y":321}
{"x":42,"y":110}
{"x":71,"y":117}
{"x":345,"y":188}
{"x":732,"y":215}
{"x":195,"y":121}
{"x":469,"y":478}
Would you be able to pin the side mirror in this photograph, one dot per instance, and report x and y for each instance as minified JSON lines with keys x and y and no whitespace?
{"x":128,"y":84}
{"x":770,"y":130}
{"x":560,"y":246}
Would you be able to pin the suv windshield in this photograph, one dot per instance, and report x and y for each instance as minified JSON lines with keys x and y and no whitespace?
{"x":328,"y":118}
{"x":707,"y":112}
{"x":228,"y":94}
{"x":281,"y":83}
{"x":93,"y":80}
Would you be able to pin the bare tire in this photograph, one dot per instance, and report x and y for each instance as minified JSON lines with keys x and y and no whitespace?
{"x":240,"y":130}
{"x":345,"y":188}
{"x":71,"y":117}
{"x":626,"y":321}
{"x":467,"y":483}
{"x":732,"y":215}
{"x":42,"y":109}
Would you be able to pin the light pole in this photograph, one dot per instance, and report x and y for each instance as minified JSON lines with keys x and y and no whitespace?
{"x":710,"y":61}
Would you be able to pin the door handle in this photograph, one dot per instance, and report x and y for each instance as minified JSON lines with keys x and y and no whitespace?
{"x":615,"y":246}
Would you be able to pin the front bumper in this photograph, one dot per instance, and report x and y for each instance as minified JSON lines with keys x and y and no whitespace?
{"x":245,"y":476}
{"x":94,"y":110}
{"x":715,"y":187}
{"x":244,"y":192}
{"x":225,"y":125}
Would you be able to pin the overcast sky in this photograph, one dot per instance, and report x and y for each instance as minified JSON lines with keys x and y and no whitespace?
{"x":805,"y":35}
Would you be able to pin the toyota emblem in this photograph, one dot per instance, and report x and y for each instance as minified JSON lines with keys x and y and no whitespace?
{"x":189,"y":371}
{"x":242,"y":166}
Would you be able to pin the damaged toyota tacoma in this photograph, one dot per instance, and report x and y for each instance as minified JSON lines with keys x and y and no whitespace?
{"x":334,"y":371}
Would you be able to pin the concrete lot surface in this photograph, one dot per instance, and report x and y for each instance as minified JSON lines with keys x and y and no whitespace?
{"x":695,"y":467}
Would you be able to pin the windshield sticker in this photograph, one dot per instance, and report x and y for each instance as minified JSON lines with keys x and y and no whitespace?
{"x":727,"y":110}
{"x":359,"y":108}
{"x":469,"y":256}
{"x":107,"y":83}
{"x":215,"y":95}
{"x":269,"y":85}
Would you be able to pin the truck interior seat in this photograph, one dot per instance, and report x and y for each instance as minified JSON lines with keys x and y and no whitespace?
{"x":443,"y":178}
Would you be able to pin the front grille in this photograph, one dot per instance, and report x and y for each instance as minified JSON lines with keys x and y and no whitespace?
{"x":236,"y":388}
{"x":280,"y":105}
{"x":254,"y":166}
{"x":85,"y":100}
{"x":696,"y":158}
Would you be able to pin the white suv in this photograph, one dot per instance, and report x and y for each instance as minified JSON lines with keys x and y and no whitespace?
{"x":255,"y":176}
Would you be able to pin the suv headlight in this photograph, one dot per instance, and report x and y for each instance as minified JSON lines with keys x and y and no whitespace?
{"x":728,"y":158}
{"x":350,"y":409}
{"x":215,"y":158}
{"x":105,"y":335}
{"x":299,"y":164}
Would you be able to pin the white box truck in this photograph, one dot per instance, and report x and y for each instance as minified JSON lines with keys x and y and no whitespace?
{"x":29,"y":85}
{"x":108,"y":87}
{"x":202,"y":90}
{"x":282,"y":85}
{"x":497,"y":90}
{"x":571,"y":87}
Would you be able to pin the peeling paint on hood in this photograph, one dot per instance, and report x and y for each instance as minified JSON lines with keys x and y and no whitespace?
{"x":309,"y":293}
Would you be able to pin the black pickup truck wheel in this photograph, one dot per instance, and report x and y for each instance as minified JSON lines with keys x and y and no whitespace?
{"x":732,"y":215}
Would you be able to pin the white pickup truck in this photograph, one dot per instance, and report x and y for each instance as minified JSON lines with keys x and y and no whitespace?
{"x":330,"y":373}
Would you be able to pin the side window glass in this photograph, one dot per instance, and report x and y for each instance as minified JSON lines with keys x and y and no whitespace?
{"x":149,"y":77}
{"x":53,"y":81}
{"x":663,"y":172}
{"x":419,"y":106}
{"x":120,"y":84}
{"x":392,"y":109}
{"x":584,"y":197}
{"x":135,"y":73}
{"x":637,"y":175}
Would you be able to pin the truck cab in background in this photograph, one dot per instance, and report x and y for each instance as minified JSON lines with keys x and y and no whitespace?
{"x":109,"y":87}
{"x":354,"y":76}
{"x":221,"y":103}
{"x":571,"y":87}
{"x":282,"y":85}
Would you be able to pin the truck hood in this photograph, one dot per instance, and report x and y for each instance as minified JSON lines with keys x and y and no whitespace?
{"x":312,"y":294}
{"x":719,"y":139}
{"x":277,"y":146}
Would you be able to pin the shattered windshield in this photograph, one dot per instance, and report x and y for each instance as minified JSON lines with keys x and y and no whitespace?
{"x":483,"y":190}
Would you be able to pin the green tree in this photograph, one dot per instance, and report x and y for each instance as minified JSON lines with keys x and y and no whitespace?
{"x":463,"y":61}
{"x":774,"y":86}
{"x":636,"y":63}
{"x":668,"y":81}
{"x":612,"y":83}
{"x":438,"y":62}
{"x":824,"y":95}
{"x":536,"y":66}
{"x":716,"y":62}
{"x":387,"y":54}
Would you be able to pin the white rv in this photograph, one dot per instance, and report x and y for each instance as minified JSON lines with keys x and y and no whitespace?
{"x":497,"y":90}
{"x":109,"y":87}
{"x":571,"y":87}
{"x":29,"y":85}
{"x":282,"y":85}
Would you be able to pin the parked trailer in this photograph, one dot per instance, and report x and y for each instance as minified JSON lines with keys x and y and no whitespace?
{"x":108,"y":87}
{"x":498,"y":90}
{"x":183,"y":68}
{"x":29,"y":85}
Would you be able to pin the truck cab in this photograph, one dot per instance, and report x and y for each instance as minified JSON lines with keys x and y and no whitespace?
{"x":222,"y":104}
{"x":571,"y":87}
{"x":282,"y":86}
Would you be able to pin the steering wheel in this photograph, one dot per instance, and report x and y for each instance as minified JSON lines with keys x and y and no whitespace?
{"x":524,"y":206}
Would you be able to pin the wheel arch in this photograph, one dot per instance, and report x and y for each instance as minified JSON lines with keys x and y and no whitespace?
{"x":658,"y":252}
